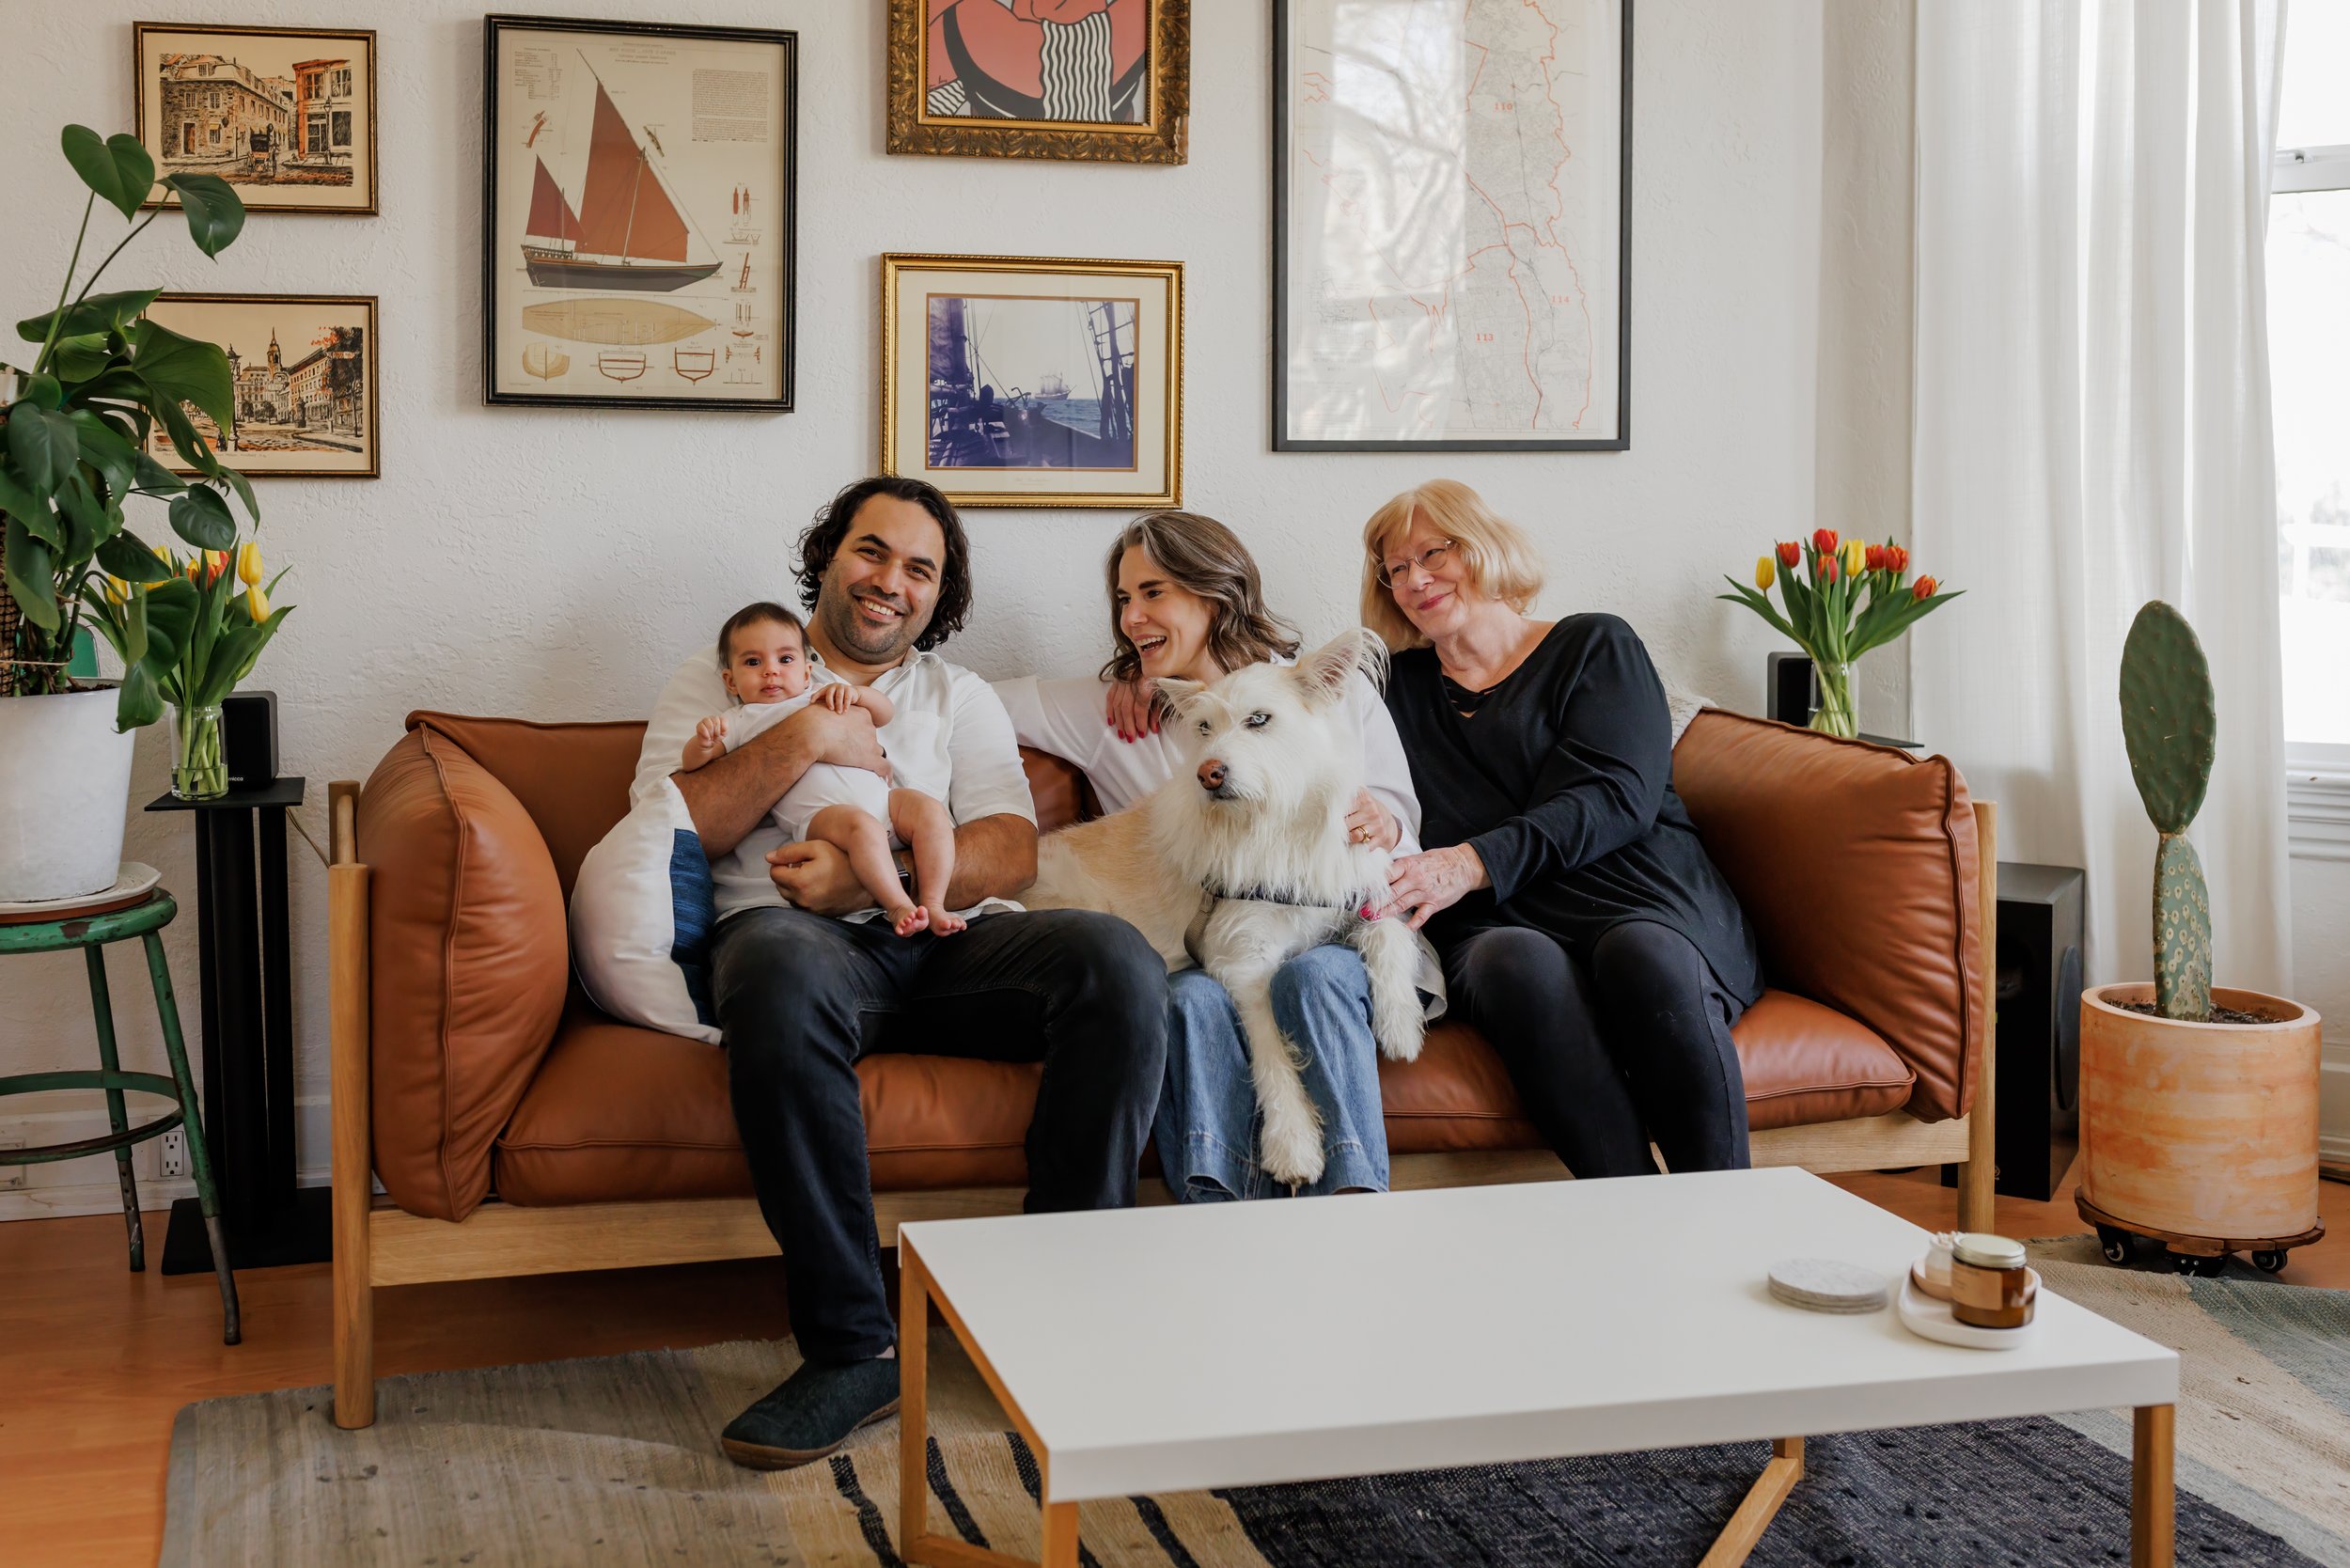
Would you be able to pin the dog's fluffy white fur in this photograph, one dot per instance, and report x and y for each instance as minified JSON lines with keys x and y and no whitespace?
{"x":1255,"y":817}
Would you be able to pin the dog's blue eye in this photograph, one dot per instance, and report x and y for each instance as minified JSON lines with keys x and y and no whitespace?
{"x":1259,"y":721}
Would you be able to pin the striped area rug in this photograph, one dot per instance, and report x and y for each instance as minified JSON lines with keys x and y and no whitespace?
{"x":614,"y":1459}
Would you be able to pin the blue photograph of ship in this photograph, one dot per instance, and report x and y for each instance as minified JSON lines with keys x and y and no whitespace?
{"x":1020,"y":382}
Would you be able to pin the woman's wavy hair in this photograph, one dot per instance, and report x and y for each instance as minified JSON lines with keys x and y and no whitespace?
{"x":1501,"y":559}
{"x":831,"y":526}
{"x":1203,"y":556}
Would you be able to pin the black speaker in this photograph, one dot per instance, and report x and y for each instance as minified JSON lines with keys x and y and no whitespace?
{"x":1787,"y":688}
{"x":248,"y":739}
{"x":2041,"y":910}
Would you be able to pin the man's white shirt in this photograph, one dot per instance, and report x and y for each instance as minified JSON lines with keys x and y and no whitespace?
{"x":951,"y":739}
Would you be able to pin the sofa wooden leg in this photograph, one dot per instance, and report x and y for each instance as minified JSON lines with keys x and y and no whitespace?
{"x":351,"y":1119}
{"x":354,"y":1346}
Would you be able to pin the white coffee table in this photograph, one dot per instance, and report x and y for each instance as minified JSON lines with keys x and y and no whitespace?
{"x":1175,"y":1349}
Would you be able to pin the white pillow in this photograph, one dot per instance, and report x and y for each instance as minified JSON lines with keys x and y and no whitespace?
{"x":1683,"y":706}
{"x":641,"y":916}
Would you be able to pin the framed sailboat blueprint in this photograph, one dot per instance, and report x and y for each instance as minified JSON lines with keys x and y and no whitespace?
{"x":639,"y":215}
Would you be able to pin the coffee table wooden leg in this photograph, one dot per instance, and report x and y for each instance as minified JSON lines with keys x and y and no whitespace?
{"x":913,"y":1342}
{"x":1060,"y":1536}
{"x":2152,"y":1500}
{"x":1770,"y":1489}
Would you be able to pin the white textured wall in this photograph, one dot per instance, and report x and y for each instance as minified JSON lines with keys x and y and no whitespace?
{"x":557,"y":563}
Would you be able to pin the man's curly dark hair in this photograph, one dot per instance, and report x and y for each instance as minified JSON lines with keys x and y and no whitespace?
{"x":831,"y":526}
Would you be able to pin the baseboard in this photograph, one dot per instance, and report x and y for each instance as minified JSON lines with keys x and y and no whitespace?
{"x":2333,"y":1102}
{"x":63,"y":1188}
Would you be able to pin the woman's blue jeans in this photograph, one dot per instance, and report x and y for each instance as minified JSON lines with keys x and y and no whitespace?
{"x":1206,"y":1126}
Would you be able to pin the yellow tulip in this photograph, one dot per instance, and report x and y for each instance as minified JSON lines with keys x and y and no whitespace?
{"x":1855,"y":557}
{"x":256,"y":602}
{"x":1764,"y":573}
{"x":249,"y":563}
{"x":116,"y":590}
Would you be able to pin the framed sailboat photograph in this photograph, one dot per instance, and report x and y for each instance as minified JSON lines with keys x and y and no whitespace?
{"x":639,"y":215}
{"x":1033,"y":382}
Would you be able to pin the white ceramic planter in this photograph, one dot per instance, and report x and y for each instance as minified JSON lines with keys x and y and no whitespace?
{"x":65,"y":789}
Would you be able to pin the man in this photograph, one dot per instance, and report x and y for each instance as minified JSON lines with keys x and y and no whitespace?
{"x":803,"y":988}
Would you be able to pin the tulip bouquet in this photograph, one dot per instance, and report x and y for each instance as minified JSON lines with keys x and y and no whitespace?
{"x":1843,"y":598}
{"x":189,"y":640}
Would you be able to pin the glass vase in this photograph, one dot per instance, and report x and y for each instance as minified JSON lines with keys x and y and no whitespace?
{"x":1837,"y":696}
{"x":199,"y":771}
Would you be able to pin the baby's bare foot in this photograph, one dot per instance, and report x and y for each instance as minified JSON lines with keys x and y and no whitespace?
{"x":915,"y":918}
{"x":942,"y":921}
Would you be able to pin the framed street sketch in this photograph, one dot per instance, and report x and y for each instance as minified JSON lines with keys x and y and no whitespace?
{"x":304,"y":370}
{"x":1100,"y":81}
{"x":1451,"y":245}
{"x":287,"y":114}
{"x":637,"y":215}
{"x":1029,"y":382}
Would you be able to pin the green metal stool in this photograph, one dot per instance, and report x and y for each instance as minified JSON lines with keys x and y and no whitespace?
{"x":91,"y":931}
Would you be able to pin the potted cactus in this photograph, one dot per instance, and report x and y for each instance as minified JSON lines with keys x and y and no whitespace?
{"x":2199,"y":1104}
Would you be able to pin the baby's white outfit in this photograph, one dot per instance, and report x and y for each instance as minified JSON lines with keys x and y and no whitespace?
{"x":823,"y":784}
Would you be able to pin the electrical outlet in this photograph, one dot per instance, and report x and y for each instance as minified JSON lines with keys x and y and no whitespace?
{"x":12,"y":1176}
{"x":171,"y":1158}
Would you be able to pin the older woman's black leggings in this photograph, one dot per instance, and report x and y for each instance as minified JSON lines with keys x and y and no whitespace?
{"x":1629,"y":1043}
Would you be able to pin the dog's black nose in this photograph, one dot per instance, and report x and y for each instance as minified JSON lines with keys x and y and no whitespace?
{"x":1211,"y":775}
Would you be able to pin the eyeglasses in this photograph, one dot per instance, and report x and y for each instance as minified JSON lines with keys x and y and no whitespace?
{"x":1430,"y":560}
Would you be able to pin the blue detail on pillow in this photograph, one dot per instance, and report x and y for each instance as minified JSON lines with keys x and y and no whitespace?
{"x":693,"y":906}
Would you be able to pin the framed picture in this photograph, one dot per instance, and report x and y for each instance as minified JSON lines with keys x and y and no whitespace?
{"x":287,"y":114}
{"x":1100,"y":81}
{"x":304,"y":369}
{"x":637,"y":215}
{"x":1031,"y":382}
{"x":1452,"y":249}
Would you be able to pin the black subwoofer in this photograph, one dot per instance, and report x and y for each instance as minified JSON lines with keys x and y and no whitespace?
{"x":2038,"y":1094}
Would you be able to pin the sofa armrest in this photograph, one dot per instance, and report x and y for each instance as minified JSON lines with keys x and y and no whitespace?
{"x":469,"y":957}
{"x":1857,"y":864}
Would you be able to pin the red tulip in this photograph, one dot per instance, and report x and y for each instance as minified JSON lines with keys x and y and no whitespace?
{"x":1789,"y":554}
{"x":1828,"y":569}
{"x":1896,"y":559}
{"x":1925,"y":589}
{"x":1875,"y":557}
{"x":1823,"y":541}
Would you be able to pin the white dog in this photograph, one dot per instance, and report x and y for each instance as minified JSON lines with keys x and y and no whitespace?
{"x":1241,"y":862}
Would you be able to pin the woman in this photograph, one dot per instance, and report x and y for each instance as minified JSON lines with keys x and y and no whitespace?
{"x":1584,"y":931}
{"x":1186,"y":601}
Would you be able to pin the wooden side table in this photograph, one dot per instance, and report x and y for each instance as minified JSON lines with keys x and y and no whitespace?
{"x":91,"y":928}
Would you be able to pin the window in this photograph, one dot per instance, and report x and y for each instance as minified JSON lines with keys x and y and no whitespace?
{"x":342,"y":84}
{"x":2308,"y":346}
{"x":341,"y":118}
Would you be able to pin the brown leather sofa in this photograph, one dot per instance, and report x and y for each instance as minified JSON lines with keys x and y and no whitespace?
{"x":516,"y":1130}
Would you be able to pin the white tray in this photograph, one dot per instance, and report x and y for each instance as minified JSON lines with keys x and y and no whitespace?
{"x":133,"y":879}
{"x":1930,"y":1319}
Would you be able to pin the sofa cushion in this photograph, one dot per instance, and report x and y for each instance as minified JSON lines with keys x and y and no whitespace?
{"x":1856,"y":865}
{"x":468,"y":960}
{"x":619,"y":1112}
{"x":572,"y":779}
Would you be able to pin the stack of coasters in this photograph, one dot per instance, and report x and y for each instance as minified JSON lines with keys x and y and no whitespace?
{"x":1825,"y":1285}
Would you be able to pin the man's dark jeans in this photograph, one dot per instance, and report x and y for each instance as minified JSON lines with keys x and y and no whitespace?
{"x":800,"y":998}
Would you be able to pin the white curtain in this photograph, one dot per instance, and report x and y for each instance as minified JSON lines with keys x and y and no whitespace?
{"x":2091,"y":431}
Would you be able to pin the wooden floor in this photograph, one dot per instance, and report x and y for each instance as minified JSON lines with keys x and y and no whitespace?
{"x":95,"y":1362}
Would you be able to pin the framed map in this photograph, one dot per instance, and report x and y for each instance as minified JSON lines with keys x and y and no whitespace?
{"x":1450,"y":243}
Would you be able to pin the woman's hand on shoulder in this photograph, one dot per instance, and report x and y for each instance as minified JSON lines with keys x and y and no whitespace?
{"x":1133,"y":707}
{"x":1420,"y":886}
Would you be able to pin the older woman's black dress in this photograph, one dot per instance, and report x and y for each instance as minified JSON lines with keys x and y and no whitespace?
{"x":1608,"y":961}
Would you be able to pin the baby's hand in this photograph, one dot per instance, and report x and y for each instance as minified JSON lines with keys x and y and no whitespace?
{"x":709,"y":735}
{"x":838,"y":696}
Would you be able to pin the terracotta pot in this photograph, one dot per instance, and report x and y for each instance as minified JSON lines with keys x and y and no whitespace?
{"x":2199,"y":1129}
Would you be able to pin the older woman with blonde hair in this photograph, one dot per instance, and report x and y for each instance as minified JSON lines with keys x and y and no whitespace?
{"x":1584,"y":930}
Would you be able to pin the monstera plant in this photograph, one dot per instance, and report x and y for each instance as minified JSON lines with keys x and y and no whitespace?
{"x":81,"y":409}
{"x":82,"y":406}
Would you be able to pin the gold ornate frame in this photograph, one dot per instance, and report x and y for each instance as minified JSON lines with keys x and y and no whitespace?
{"x":1163,"y":137}
{"x":139,"y":31}
{"x":367,"y":305}
{"x":897,"y":266}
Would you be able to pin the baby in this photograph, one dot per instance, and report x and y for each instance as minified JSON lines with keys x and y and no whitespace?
{"x":762,"y":657}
